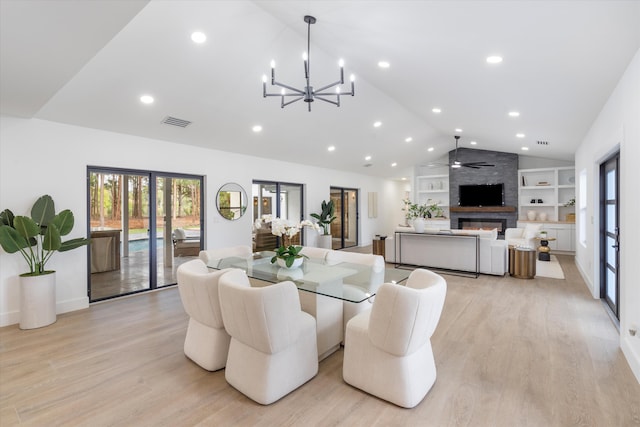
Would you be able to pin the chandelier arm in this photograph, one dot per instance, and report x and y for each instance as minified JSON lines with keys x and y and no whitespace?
{"x":301,"y":92}
{"x":284,"y":104}
{"x":332,"y":93}
{"x":279,"y":94}
{"x":327,"y":86}
{"x":328,"y":100}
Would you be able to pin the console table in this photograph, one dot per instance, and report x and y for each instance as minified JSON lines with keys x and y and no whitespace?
{"x":452,"y":253}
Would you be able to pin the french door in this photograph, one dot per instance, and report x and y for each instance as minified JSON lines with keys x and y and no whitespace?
{"x":609,"y":233}
{"x":279,"y":200}
{"x":344,"y":230}
{"x":143,"y":225}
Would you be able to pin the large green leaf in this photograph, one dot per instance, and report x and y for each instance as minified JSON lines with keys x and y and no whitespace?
{"x":43,"y":210}
{"x":6,"y":218}
{"x":26,"y":226}
{"x":52,"y":240}
{"x":64,"y":222}
{"x":10,"y":240}
{"x":73,"y":243}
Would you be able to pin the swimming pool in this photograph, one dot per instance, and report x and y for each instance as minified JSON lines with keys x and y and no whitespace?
{"x":143,"y":244}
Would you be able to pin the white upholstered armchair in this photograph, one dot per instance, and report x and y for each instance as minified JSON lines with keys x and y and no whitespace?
{"x":211,"y":256}
{"x":207,"y":342}
{"x":273,"y":347}
{"x":360,"y":285}
{"x":387,"y":350}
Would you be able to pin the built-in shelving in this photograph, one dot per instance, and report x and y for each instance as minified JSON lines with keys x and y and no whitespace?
{"x":542,"y":193}
{"x":430,"y":189}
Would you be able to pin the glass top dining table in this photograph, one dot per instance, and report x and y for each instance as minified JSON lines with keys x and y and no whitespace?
{"x":344,"y":281}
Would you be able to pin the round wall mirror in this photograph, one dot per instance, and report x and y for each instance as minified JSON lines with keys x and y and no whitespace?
{"x":231,"y":201}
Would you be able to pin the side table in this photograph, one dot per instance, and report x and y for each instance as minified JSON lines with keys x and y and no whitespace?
{"x":544,"y":251}
{"x":523,"y":263}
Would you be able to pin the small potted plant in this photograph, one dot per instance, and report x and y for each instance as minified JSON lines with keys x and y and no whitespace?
{"x":37,"y":238}
{"x":571,"y":217}
{"x":325,"y":218}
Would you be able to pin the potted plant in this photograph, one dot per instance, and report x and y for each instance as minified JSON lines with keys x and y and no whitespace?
{"x":37,"y":238}
{"x":287,"y":255}
{"x":571,"y":216}
{"x":325,"y":218}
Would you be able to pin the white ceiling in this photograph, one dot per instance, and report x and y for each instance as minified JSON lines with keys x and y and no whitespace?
{"x":87,"y":63}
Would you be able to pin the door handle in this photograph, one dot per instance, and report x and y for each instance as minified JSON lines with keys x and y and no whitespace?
{"x":616,"y":246}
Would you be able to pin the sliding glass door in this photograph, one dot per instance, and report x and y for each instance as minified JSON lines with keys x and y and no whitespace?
{"x":135,"y":247}
{"x":275,"y":199}
{"x":344,"y":230}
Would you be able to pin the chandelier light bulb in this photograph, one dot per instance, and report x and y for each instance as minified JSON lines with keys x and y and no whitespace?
{"x":264,"y":78}
{"x":352,"y":78}
{"x":341,"y":63}
{"x":305,"y":56}
{"x":273,"y":64}
{"x":338,"y":90}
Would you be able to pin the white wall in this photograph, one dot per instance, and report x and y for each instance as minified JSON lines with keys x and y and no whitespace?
{"x":617,"y":127}
{"x":39,"y":157}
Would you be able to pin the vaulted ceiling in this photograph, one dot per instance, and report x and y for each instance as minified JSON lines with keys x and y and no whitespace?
{"x":87,"y":63}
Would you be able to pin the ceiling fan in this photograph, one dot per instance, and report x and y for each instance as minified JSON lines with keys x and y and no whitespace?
{"x":473,"y":165}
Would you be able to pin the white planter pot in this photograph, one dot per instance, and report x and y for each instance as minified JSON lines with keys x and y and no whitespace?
{"x":296,"y":263}
{"x":418,"y":225}
{"x":324,"y":241}
{"x":37,"y":301}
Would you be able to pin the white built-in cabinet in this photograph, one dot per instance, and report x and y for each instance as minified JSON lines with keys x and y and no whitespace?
{"x":431,"y":189}
{"x":542,"y":195}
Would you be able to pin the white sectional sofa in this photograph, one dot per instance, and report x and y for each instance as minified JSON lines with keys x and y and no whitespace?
{"x":448,"y":252}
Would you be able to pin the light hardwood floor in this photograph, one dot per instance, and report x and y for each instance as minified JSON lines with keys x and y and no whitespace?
{"x":509,"y":352}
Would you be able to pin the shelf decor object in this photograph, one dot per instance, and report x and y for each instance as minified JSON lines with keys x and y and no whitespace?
{"x":308,"y":94}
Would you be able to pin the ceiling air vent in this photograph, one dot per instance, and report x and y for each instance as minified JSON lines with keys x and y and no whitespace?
{"x":368,"y":165}
{"x":543,"y":142}
{"x":176,"y":122}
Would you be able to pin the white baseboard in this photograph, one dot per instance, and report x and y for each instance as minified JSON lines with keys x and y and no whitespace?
{"x":632,"y":356}
{"x":10,"y":318}
{"x":587,"y":280}
{"x":72,"y":305}
{"x":13,"y":317}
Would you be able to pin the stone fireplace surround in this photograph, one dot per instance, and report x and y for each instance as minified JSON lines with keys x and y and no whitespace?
{"x":505,"y":171}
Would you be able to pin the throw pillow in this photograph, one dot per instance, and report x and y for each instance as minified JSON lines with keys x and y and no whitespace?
{"x":531,"y":231}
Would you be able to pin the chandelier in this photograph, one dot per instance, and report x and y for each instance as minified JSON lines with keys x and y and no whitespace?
{"x":308,"y":94}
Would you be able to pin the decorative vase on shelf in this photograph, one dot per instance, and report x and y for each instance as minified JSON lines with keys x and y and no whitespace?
{"x":531,"y":215}
{"x":542,"y":216}
{"x":418,"y":225}
{"x":296,"y":263}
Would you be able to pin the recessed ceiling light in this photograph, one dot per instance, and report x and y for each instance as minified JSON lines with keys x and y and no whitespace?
{"x":383,"y":64}
{"x":430,"y":149}
{"x":514,"y":114}
{"x":525,"y":148}
{"x":473,"y":143}
{"x":394,"y":164}
{"x":198,"y":37}
{"x":377,"y":124}
{"x":409,"y":139}
{"x":520,"y":135}
{"x":458,"y":130}
{"x":367,"y":158}
{"x":331,"y":148}
{"x":257,"y":128}
{"x":436,"y":110}
{"x":494,"y":59}
{"x":146,"y":99}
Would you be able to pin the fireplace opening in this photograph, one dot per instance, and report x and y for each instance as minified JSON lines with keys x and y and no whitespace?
{"x":483,"y":224}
